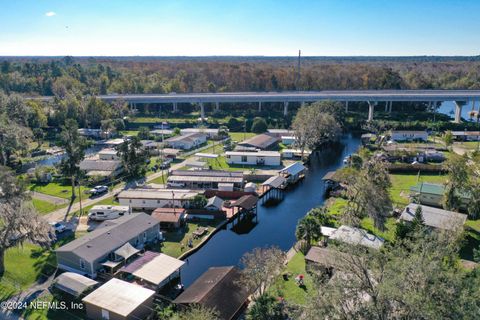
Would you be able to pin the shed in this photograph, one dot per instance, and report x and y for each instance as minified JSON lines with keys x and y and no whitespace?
{"x":118,"y":299}
{"x":74,"y":283}
{"x":169,"y":217}
{"x":250,"y":187}
{"x":218,"y":288}
{"x":214,"y":203}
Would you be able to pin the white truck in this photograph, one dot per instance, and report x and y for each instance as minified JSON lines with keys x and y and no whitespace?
{"x":105,"y":212}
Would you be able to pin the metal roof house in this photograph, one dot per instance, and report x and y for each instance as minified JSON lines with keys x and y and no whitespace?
{"x":409,"y":135}
{"x":103,"y":168}
{"x":434,"y":217}
{"x":85,"y":255}
{"x":356,"y":236}
{"x":186,"y":142}
{"x":431,"y":194}
{"x":206,"y":179}
{"x":150,"y":199}
{"x":118,"y":299}
{"x":217,"y":288}
{"x":261,"y":158}
{"x":262,"y":141}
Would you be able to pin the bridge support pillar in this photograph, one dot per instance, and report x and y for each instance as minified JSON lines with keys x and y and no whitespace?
{"x":458,"y":111}
{"x":175,"y":108}
{"x":285,"y":108}
{"x":371,"y":107}
{"x":390,"y":106}
{"x":259,"y":106}
{"x":217,"y":106}
{"x":202,"y":111}
{"x":346,"y":106}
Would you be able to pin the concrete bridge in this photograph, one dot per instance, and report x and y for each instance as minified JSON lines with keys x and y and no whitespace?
{"x":372,"y":97}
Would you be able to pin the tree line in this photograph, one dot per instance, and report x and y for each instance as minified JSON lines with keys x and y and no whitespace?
{"x":103,"y":75}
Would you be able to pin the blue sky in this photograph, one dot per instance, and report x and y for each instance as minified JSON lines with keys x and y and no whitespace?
{"x":239,"y":27}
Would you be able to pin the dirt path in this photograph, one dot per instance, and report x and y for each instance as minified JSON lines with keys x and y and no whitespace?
{"x":49,"y":198}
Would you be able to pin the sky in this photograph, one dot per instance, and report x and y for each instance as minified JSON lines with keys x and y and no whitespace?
{"x":239,"y":27}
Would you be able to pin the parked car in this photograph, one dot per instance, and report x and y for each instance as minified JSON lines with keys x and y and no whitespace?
{"x":176,"y":185}
{"x":98,"y":190}
{"x":101,"y":213}
{"x":59,"y":227}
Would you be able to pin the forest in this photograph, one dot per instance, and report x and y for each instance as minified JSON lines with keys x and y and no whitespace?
{"x":103,"y":75}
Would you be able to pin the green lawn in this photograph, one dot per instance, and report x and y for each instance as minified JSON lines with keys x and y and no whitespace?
{"x":160,"y":180}
{"x":44,"y":207}
{"x":401,"y":183}
{"x":174,"y":241}
{"x":220,"y":163}
{"x":25,"y":265}
{"x":240,"y":136}
{"x":387,"y":234}
{"x":471,"y":145}
{"x":57,"y":189}
{"x":336,"y":206}
{"x":288,"y":289}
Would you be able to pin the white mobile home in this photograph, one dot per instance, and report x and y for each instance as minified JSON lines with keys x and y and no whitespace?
{"x":108,"y":154}
{"x":210,"y":132}
{"x":187,"y":142}
{"x":150,"y":199}
{"x":409,"y":135}
{"x":261,"y":158}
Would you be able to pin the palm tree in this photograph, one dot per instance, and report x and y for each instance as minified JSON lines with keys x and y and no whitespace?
{"x":308,"y":230}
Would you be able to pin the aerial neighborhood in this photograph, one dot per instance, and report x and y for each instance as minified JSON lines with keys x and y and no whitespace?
{"x":184,"y":160}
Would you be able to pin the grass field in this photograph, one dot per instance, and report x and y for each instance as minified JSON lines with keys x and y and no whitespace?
{"x":57,"y":189}
{"x":387,"y":234}
{"x":44,"y":207}
{"x":401,"y":183}
{"x":176,"y":240}
{"x":240,"y":136}
{"x":289,"y":289}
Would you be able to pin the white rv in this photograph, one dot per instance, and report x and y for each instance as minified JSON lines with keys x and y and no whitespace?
{"x":101,"y":213}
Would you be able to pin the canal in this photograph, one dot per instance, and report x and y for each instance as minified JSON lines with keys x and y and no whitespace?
{"x":276,"y":225}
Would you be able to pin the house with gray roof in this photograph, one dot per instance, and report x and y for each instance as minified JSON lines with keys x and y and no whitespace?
{"x":356,"y":236}
{"x":262,"y":141}
{"x":434,"y":217}
{"x":187,"y":141}
{"x":102,"y":168}
{"x":85,"y":255}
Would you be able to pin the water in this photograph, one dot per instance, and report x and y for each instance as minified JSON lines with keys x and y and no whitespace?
{"x":54,"y":159}
{"x":448,"y":108}
{"x":276,"y":225}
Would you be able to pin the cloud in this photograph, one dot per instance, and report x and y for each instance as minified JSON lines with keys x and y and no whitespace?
{"x":50,"y":14}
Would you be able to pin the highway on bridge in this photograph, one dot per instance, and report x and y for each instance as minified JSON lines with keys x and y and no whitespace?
{"x":373,"y":97}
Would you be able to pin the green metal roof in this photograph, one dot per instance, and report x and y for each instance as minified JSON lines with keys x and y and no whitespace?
{"x":436,"y":189}
{"x":431,"y":188}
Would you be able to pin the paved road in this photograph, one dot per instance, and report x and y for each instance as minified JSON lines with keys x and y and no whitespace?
{"x":61,"y":214}
{"x":298,"y":96}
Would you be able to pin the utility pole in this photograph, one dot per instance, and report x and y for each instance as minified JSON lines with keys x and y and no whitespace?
{"x":80,"y":197}
{"x":297,"y":80}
